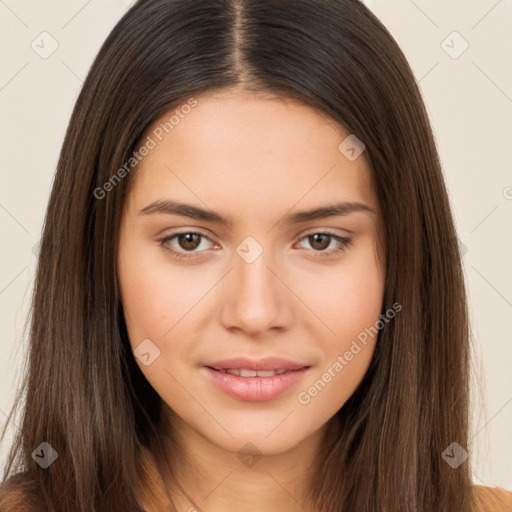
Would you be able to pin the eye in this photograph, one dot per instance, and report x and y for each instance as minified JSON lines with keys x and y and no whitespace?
{"x":188,"y":241}
{"x":322,"y":240}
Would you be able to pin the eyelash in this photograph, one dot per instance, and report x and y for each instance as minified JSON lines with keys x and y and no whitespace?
{"x":343,"y":243}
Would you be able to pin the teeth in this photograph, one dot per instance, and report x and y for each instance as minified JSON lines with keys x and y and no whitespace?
{"x":252,"y":373}
{"x":248,"y":373}
{"x":268,"y":373}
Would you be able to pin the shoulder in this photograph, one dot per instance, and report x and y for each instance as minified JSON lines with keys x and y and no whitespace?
{"x":18,"y":494}
{"x":493,"y":499}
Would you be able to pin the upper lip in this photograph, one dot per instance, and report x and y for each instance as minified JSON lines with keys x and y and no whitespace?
{"x":264,"y":364}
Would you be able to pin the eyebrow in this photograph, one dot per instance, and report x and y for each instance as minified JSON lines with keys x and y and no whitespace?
{"x":169,"y":207}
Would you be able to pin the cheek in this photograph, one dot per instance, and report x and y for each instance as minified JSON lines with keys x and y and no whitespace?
{"x":145,"y":304}
{"x":156,"y":299}
{"x":155,"y":294}
{"x":346,"y":298}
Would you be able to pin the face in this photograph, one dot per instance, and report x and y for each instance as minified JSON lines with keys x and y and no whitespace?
{"x":248,"y":316}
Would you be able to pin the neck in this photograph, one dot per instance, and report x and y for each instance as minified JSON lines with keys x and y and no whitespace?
{"x":194,"y":469}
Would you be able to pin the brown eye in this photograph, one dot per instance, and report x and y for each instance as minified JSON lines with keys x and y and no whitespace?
{"x":186,"y":244}
{"x":319,"y":241}
{"x":189,"y":241}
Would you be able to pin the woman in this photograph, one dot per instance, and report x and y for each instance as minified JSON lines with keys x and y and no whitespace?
{"x":249,"y":292}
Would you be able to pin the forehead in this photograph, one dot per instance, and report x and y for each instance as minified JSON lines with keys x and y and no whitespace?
{"x":234,"y":147}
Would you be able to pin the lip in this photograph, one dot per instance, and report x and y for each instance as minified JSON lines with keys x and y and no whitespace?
{"x":264,"y":364}
{"x":255,"y":389}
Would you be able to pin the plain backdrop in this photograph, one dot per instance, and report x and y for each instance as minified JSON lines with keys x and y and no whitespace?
{"x":460,"y":54}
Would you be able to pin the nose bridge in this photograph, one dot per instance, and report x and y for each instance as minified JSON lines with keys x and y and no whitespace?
{"x":255,"y":279}
{"x":257,"y":299}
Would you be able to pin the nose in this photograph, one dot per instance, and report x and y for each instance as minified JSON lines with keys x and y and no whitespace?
{"x":255,"y":297}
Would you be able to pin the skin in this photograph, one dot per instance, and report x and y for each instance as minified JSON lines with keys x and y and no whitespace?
{"x":255,"y":159}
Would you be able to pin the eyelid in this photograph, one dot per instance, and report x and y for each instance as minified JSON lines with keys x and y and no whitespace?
{"x":187,"y":231}
{"x":326,"y":231}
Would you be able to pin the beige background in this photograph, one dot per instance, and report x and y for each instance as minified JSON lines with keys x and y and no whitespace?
{"x":469,"y":99}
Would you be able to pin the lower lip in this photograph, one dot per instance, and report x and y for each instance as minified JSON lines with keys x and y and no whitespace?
{"x":255,"y":389}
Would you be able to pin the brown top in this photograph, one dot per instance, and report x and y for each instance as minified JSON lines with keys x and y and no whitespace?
{"x":493,"y":499}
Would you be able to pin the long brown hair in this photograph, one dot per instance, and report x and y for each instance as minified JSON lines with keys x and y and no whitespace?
{"x":85,"y":394}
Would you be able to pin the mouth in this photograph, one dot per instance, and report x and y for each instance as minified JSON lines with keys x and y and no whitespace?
{"x":252,"y":373}
{"x":255,"y":380}
{"x":245,"y":364}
